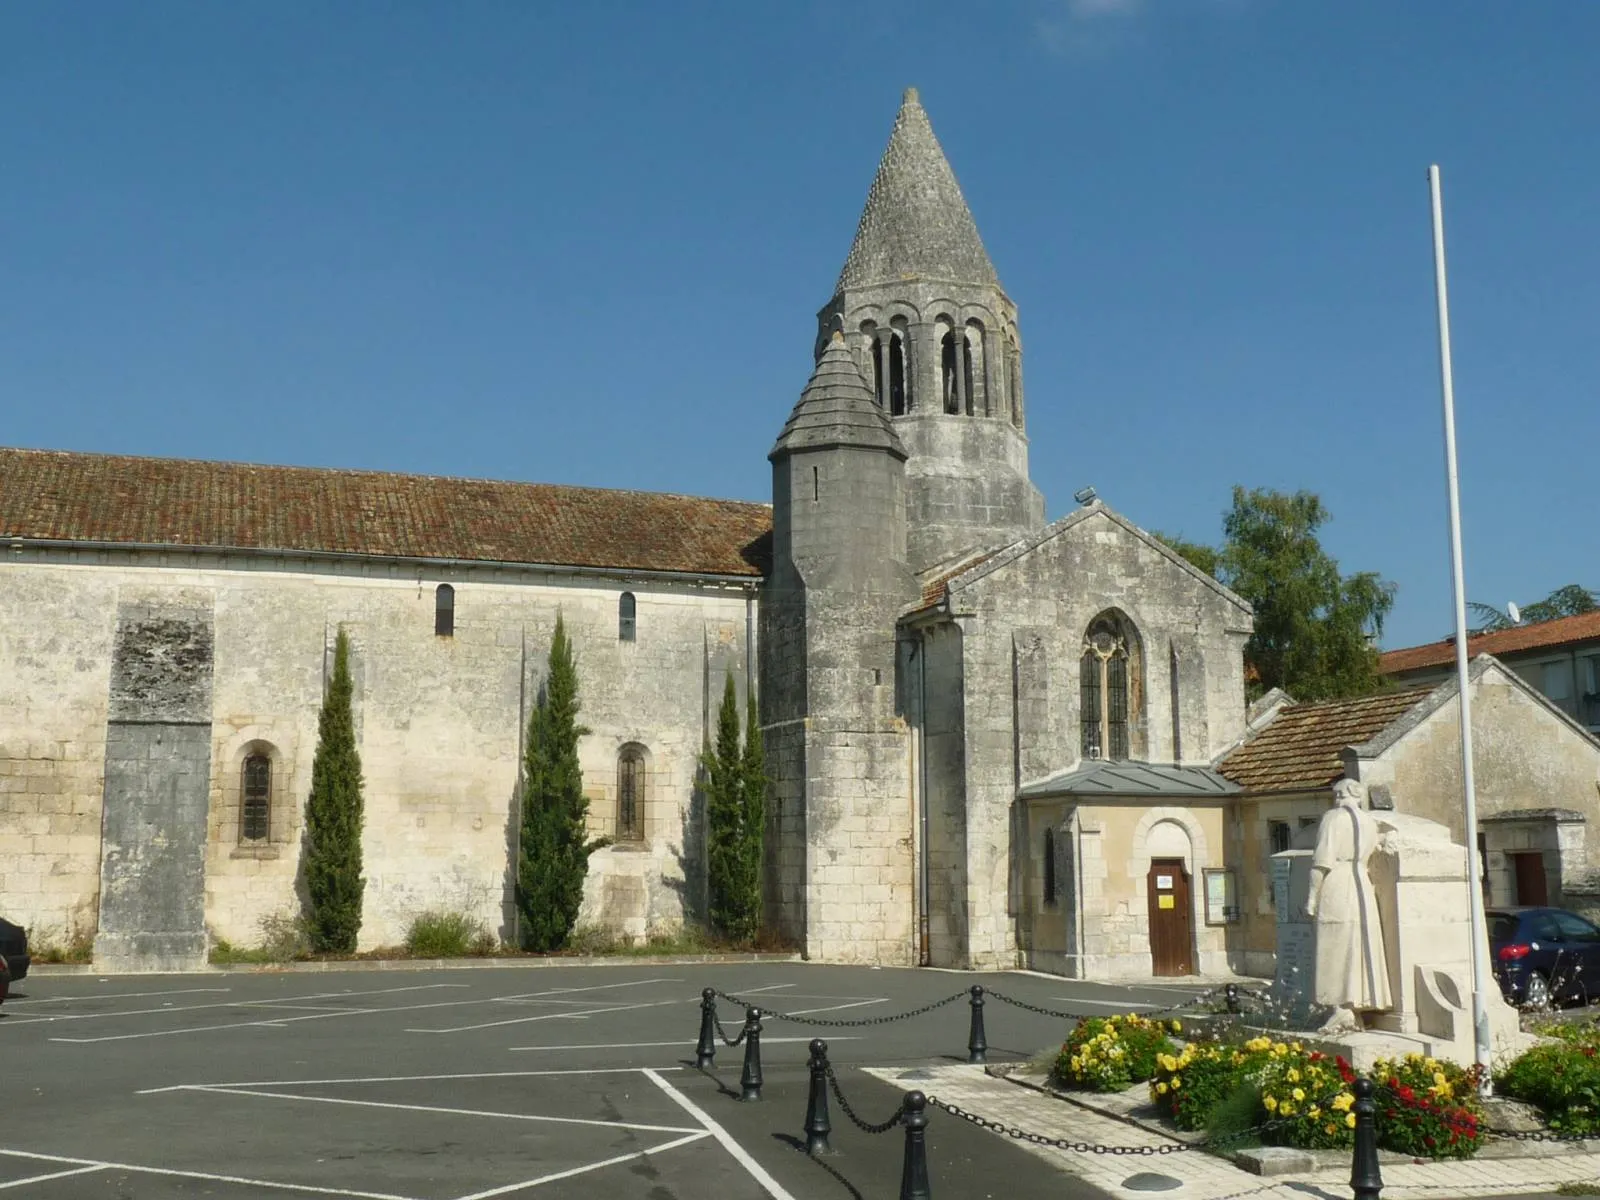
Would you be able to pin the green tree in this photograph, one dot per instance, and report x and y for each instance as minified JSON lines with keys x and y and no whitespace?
{"x":554,"y":848}
{"x":753,"y":821}
{"x":723,"y":780}
{"x":1196,"y":554}
{"x":1315,"y":628}
{"x":1569,"y":601}
{"x":334,"y":884}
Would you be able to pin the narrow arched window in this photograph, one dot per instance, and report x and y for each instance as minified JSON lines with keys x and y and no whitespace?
{"x":1104,"y":689}
{"x":950,"y":371}
{"x":1049,"y":866}
{"x":977,"y":371}
{"x":899,"y":396}
{"x":630,"y":794}
{"x":255,"y":809}
{"x":627,"y":626}
{"x":444,"y":611}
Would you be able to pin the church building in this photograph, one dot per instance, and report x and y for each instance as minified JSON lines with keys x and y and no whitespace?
{"x":990,"y":739}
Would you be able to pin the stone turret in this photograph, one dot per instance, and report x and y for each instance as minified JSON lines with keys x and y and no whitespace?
{"x":935,"y":336}
{"x":836,"y":751}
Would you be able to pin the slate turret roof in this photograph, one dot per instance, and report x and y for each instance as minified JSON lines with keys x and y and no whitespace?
{"x":837,"y":409}
{"x":916,"y":223}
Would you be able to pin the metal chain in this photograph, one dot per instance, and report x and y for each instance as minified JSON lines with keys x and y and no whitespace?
{"x":1040,"y":1139}
{"x":723,"y":1033}
{"x":857,"y":1023}
{"x":865,"y":1126}
{"x":1155,"y":1012}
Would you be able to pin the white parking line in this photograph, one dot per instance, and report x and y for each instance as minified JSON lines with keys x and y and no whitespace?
{"x":262,"y":1083}
{"x":558,"y":1016}
{"x":429,"y":1108}
{"x":765,"y":1041}
{"x":801,"y":1012}
{"x":770,"y":1185}
{"x":30,"y":1001}
{"x":168,"y":1008}
{"x":15,"y":1183}
{"x":568,"y":1174}
{"x":771,"y":987}
{"x":1118,"y":1004}
{"x":599,"y":987}
{"x":98,"y":1165}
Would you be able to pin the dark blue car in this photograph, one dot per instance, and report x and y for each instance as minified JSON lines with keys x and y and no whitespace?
{"x":1544,"y":956}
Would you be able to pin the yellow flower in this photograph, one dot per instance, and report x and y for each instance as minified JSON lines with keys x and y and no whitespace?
{"x":1161,"y":1089}
{"x":1175,"y":1082}
{"x":1299,"y":1094}
{"x":1294,"y":1076}
{"x":1177,"y":1026}
{"x":1327,"y":1128}
{"x":1350,"y":1120}
{"x":1286,"y":1110}
{"x":1271,"y":1102}
{"x":1313,"y":1112}
{"x":1439,"y":1079}
{"x":1168,"y":1062}
{"x":1342,"y":1102}
{"x":1280,"y":1049}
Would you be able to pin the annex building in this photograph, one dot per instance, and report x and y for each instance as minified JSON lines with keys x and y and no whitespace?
{"x":992,"y":741}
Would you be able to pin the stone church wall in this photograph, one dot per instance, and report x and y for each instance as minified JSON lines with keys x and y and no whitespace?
{"x":439,"y":722}
{"x":1047,"y":594}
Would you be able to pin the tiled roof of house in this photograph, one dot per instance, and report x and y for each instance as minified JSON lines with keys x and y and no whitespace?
{"x":1584,"y":627}
{"x":1300,"y":749}
{"x":178,"y":502}
{"x":937,"y":586}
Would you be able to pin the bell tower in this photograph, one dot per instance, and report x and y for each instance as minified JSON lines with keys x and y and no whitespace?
{"x":935,"y":336}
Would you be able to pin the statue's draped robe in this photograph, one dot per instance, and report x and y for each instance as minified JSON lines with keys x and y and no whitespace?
{"x":1352,"y":969}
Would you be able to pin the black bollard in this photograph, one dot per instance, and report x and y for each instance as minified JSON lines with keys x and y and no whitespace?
{"x":1232,"y":991}
{"x":750,"y":1077}
{"x":914,"y":1174}
{"x":818,"y":1127}
{"x":705,"y":1052}
{"x":1366,"y":1181}
{"x":977,"y":1043}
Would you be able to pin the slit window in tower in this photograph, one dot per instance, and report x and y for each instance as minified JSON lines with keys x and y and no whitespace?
{"x":898,"y":405}
{"x":444,"y":611}
{"x":1049,"y":866}
{"x":627,"y":612}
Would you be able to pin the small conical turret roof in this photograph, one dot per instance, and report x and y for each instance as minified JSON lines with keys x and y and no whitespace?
{"x":916,"y":222}
{"x":837,"y":409}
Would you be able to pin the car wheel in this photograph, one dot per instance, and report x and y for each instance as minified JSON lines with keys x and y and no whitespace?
{"x":1536,"y":992}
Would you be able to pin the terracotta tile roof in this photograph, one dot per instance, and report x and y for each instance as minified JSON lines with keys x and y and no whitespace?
{"x":1584,"y":627}
{"x":1300,"y":749}
{"x":178,"y":502}
{"x":937,"y":587}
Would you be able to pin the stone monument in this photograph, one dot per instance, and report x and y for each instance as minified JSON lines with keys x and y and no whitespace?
{"x":1374,"y":939}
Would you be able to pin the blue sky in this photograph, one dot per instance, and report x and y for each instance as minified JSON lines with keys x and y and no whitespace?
{"x":585,"y":243}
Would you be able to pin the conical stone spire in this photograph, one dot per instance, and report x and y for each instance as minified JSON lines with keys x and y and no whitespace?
{"x":916,"y":223}
{"x":837,"y":409}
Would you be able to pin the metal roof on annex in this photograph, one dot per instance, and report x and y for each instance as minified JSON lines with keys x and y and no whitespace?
{"x":1107,"y":778}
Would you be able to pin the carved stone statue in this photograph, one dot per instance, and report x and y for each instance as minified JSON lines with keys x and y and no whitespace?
{"x":1352,"y":970}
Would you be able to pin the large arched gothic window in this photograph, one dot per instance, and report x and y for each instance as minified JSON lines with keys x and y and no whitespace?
{"x":1107,"y":675}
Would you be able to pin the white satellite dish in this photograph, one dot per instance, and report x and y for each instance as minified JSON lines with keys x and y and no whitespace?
{"x":1514,"y":613}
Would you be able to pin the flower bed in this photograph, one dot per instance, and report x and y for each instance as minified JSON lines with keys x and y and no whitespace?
{"x":1426,"y":1108}
{"x":1560,"y":1078}
{"x":1111,"y":1054}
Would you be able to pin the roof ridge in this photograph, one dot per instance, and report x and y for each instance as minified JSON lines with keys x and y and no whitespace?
{"x":372,"y":472}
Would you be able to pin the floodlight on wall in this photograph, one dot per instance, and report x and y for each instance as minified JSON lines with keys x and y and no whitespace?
{"x":1084,"y":495}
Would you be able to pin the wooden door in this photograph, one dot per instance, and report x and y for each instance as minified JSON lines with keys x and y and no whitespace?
{"x":1529,"y":870}
{"x":1171,"y":918}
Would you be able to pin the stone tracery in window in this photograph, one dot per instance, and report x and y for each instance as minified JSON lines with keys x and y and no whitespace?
{"x":1105,"y":689}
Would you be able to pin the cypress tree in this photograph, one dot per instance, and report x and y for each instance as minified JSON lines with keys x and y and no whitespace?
{"x":554,"y":850}
{"x":722,"y":771}
{"x":333,"y":819}
{"x":752,"y":823}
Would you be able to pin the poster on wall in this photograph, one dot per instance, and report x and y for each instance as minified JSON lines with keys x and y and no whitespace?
{"x":1222,"y":905}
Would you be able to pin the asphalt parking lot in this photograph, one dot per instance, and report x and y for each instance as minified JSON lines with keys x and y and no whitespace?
{"x":469,"y":1084}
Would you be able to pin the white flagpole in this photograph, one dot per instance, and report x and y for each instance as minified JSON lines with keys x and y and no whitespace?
{"x":1480,"y":945}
